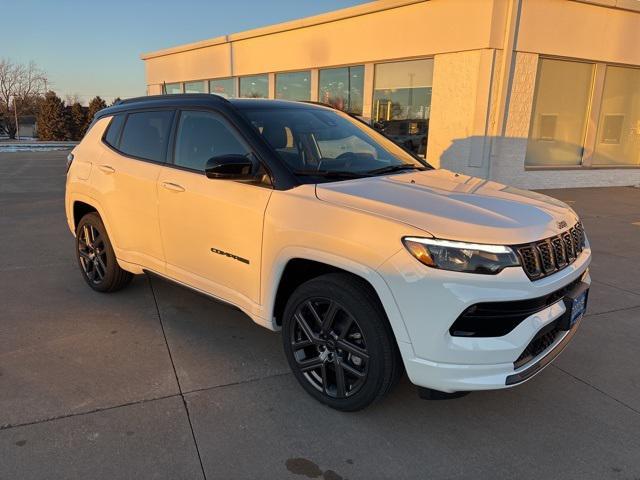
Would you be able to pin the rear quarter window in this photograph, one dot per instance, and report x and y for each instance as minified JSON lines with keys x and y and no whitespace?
{"x":146,"y":134}
{"x":112,"y":134}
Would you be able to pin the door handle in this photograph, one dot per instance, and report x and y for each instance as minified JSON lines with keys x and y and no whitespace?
{"x":174,"y":187}
{"x":107,"y":169}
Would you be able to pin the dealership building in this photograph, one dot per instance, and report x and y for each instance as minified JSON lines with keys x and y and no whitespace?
{"x":533,"y":93}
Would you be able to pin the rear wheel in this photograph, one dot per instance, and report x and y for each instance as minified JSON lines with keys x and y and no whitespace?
{"x":96,"y":257}
{"x":338,"y":342}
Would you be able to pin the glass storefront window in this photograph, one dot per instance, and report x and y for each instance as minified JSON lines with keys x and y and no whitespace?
{"x":172,"y":88}
{"x":618,"y":135}
{"x":342,"y":88}
{"x":195,"y":87}
{"x":254,"y":86}
{"x":402,"y":102}
{"x":293,"y":86}
{"x":559,"y":116}
{"x":225,"y":87}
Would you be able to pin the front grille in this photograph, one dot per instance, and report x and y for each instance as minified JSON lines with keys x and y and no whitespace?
{"x":544,"y":257}
{"x":495,"y":319}
{"x":543,"y":340}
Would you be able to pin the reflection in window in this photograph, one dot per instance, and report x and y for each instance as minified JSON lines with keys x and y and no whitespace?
{"x":195,"y":87}
{"x":293,"y":86}
{"x":254,"y":86}
{"x":172,"y":88}
{"x":618,"y":138}
{"x":225,"y":87}
{"x":559,"y":116}
{"x":342,"y":88}
{"x":402,"y":102}
{"x":201,"y":136}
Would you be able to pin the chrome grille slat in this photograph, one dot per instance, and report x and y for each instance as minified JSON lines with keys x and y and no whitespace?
{"x":545,"y":257}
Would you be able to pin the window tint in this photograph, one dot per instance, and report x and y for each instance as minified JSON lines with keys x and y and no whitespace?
{"x":293,"y":86}
{"x":203,"y":135}
{"x":254,"y":86}
{"x":402,"y":102}
{"x":559,"y":117}
{"x":342,"y":88}
{"x":618,"y":138}
{"x":145,"y":134}
{"x":113,"y":130}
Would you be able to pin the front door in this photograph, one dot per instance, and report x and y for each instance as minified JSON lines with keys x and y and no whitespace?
{"x":211,"y":229}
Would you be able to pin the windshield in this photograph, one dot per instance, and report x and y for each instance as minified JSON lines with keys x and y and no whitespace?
{"x":315,"y":142}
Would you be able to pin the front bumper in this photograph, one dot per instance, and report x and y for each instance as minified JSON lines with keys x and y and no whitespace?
{"x":430,"y":301}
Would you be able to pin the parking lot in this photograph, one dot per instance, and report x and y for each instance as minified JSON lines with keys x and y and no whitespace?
{"x":156,"y":381}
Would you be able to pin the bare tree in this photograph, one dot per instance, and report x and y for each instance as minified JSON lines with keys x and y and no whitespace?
{"x":20,"y":84}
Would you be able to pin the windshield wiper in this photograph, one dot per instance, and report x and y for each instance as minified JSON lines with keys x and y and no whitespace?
{"x":331,"y":173}
{"x":396,"y":168}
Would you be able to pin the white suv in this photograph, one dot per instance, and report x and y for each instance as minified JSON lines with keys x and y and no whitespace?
{"x":365,"y":257}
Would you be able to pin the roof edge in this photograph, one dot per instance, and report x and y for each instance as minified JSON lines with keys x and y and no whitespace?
{"x":344,"y":13}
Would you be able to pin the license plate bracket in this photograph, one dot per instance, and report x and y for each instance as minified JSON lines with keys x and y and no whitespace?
{"x":575,"y":302}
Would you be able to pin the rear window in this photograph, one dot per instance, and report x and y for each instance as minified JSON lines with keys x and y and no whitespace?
{"x":113,"y":130}
{"x":146,"y":134}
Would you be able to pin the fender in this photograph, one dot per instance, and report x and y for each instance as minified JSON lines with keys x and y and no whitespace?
{"x":275,"y":271}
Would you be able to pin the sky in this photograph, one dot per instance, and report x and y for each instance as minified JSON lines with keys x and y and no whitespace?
{"x":90,"y":47}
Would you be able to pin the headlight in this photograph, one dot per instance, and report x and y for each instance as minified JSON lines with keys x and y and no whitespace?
{"x":461,"y":256}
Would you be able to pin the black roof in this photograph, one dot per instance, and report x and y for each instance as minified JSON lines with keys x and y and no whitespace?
{"x":200,"y":99}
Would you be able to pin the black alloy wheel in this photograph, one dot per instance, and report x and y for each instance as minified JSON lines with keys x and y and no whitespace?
{"x":329,"y":347}
{"x":92,"y":254}
{"x":339,"y":343}
{"x":96,"y":257}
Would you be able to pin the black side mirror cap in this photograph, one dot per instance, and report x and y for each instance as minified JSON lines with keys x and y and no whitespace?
{"x":230,"y":167}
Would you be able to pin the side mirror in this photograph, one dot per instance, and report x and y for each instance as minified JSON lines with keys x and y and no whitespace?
{"x":230,"y":167}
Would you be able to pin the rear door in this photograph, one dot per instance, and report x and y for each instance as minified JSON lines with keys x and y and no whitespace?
{"x":126,"y":177}
{"x":211,"y":229}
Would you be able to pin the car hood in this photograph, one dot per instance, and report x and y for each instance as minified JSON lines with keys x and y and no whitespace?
{"x":454,"y":206}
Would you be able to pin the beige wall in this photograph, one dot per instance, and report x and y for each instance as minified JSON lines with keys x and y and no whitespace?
{"x":414,"y":30}
{"x":580,"y":30}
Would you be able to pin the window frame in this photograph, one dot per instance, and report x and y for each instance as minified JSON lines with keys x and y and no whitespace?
{"x":594,"y":106}
{"x":126,"y":114}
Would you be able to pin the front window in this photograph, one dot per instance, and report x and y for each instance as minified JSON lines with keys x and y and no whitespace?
{"x":402,"y":102}
{"x":317,"y":143}
{"x":195,"y":87}
{"x":342,"y":88}
{"x":560,"y":109}
{"x":225,"y":87}
{"x":254,"y":86}
{"x":293,"y":86}
{"x":618,"y":137}
{"x":172,"y":88}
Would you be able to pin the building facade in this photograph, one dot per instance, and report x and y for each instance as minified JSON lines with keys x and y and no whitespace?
{"x":533,"y":93}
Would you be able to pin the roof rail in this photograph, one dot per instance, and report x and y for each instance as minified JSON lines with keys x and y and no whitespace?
{"x":149,"y":98}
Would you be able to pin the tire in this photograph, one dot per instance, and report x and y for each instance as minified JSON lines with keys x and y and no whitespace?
{"x":334,"y":328}
{"x":96,"y":258}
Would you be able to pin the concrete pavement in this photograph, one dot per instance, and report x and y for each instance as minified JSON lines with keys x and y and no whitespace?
{"x":156,"y":381}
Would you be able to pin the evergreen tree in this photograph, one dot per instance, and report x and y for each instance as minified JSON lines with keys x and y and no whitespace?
{"x":95,"y":105}
{"x":115,"y":101}
{"x":51,"y":120}
{"x":77,"y":119}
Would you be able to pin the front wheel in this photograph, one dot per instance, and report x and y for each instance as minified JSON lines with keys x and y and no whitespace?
{"x":96,"y":257}
{"x":338,"y":342}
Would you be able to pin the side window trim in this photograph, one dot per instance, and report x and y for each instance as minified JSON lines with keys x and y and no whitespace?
{"x":127,"y":114}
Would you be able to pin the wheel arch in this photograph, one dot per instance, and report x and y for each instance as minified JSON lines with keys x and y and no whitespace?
{"x":300,"y":265}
